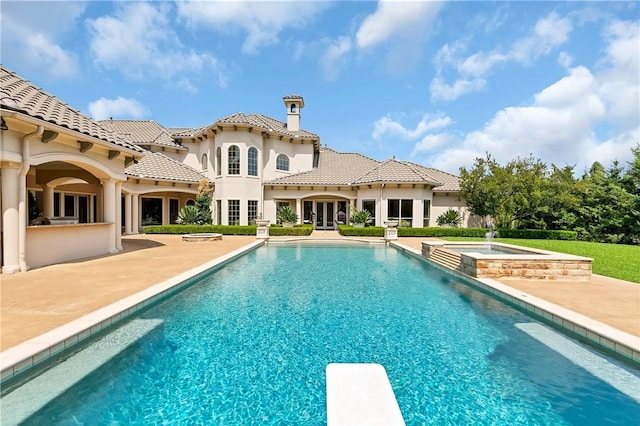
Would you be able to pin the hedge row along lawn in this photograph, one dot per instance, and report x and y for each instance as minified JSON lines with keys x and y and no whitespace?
{"x":611,"y":260}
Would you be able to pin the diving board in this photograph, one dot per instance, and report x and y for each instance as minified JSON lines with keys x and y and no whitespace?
{"x":360,"y":395}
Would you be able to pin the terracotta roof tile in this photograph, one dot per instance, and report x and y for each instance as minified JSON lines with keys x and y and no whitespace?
{"x":265,"y":123}
{"x":143,"y":132}
{"x":335,"y":168}
{"x":155,"y":165}
{"x":19,"y":94}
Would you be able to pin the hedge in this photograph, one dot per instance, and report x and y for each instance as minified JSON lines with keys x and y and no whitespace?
{"x":377,"y":231}
{"x":538,"y":234}
{"x":275,"y":230}
{"x":368,"y":231}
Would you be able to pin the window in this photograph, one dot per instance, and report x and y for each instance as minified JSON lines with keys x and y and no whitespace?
{"x":205,"y":162}
{"x":307,"y":211}
{"x":282,"y":162}
{"x":252,"y":211}
{"x":219,"y":211}
{"x":234,"y":160}
{"x":151,"y":211}
{"x":252,"y":162}
{"x":174,"y":209}
{"x":426,"y":214}
{"x":234,"y":212}
{"x":401,"y":210}
{"x":370,"y":206}
{"x":294,"y":108}
{"x":219,"y":161}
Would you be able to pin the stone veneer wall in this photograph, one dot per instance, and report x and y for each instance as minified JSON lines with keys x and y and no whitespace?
{"x":552,"y":269}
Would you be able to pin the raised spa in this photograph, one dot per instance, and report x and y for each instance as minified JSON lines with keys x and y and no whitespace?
{"x":498,"y":260}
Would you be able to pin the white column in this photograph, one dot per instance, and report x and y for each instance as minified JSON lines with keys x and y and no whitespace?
{"x":119,"y":215}
{"x":10,"y":220}
{"x":299,"y":210}
{"x":48,"y":200}
{"x":109,"y":211}
{"x":91,"y":208}
{"x":135,"y":215}
{"x":127,"y":214}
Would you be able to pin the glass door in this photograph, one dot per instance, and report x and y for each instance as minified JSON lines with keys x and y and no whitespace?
{"x":325,"y":215}
{"x":320,"y":215}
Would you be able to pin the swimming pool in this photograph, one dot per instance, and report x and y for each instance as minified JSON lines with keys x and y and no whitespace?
{"x":249,"y":345}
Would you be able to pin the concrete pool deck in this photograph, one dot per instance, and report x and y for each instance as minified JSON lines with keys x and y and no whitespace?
{"x":42,"y":299}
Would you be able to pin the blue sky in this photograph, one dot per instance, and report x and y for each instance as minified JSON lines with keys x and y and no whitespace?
{"x":437,"y":83}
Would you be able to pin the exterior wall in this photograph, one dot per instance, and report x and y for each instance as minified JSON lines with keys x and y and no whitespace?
{"x":418,"y":195}
{"x":51,"y":244}
{"x":451,"y":200}
{"x":300,"y":157}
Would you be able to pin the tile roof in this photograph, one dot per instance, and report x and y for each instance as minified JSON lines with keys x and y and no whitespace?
{"x":143,"y":132}
{"x":265,"y":123}
{"x":397,"y":172}
{"x":19,"y":94}
{"x":185,"y":132}
{"x":335,"y":168}
{"x":155,"y":165}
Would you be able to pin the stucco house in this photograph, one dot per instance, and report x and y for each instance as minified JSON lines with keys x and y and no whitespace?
{"x":91,"y":181}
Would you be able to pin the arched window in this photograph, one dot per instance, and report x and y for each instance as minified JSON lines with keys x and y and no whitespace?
{"x":234,"y":160}
{"x":252,"y":162}
{"x":219,"y":161}
{"x":205,"y":162}
{"x":282,"y":162}
{"x":294,"y":108}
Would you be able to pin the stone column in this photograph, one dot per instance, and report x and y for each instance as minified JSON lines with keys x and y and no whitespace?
{"x":10,"y":219}
{"x":299,"y":210}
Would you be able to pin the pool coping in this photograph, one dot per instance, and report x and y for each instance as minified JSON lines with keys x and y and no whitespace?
{"x":34,"y":352}
{"x":595,"y":332}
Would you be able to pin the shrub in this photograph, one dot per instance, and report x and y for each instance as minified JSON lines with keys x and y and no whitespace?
{"x":369,"y":231}
{"x":449,"y":218}
{"x":361,"y":216}
{"x":287,"y":215}
{"x":189,"y":215}
{"x":538,"y":234}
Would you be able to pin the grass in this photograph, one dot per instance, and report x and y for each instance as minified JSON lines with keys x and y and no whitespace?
{"x":611,"y":260}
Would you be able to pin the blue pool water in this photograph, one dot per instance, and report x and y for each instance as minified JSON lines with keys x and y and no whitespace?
{"x":250,"y":344}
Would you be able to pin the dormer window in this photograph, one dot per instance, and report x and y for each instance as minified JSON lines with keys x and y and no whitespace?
{"x":282,"y":163}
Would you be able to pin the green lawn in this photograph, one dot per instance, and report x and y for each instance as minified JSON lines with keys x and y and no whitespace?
{"x":612,"y":260}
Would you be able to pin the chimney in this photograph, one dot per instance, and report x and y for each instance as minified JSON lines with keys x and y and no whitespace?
{"x":294,"y":104}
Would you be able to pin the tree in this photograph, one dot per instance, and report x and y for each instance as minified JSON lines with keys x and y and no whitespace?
{"x":510,"y":194}
{"x":631,"y":182}
{"x":203,"y":202}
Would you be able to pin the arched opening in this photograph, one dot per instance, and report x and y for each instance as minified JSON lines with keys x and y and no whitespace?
{"x":282,"y":163}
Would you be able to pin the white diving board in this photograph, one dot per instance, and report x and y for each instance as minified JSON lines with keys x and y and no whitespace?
{"x":361,"y":395}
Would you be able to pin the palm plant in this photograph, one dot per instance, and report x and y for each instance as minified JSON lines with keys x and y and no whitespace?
{"x":189,"y":215}
{"x":360,"y":217}
{"x":449,"y":218}
{"x":287,"y":215}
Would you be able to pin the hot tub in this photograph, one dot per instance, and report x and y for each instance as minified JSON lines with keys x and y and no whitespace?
{"x":498,"y":260}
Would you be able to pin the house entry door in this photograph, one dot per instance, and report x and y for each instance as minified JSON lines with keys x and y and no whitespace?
{"x":325,"y":215}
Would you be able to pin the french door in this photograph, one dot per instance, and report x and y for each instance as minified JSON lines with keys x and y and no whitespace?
{"x":325,"y":215}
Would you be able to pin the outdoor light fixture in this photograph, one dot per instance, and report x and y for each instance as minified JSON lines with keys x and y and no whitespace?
{"x":3,"y":125}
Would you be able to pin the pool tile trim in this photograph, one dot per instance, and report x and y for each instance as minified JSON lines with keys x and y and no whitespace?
{"x":32,"y":353}
{"x":595,"y":332}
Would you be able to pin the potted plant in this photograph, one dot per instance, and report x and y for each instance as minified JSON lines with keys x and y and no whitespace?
{"x":360,"y":218}
{"x":287,"y":216}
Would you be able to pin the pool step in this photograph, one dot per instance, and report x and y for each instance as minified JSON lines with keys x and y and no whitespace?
{"x":360,"y":395}
{"x":446,"y":258}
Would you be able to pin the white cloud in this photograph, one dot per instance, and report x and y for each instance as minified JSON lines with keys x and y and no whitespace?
{"x":139,"y":42}
{"x":262,"y":21}
{"x":394,"y":18}
{"x":334,"y":57}
{"x":387,"y":127}
{"x":449,"y":92}
{"x":565,"y":60}
{"x":619,"y":80}
{"x":433,"y":141}
{"x":33,"y":37}
{"x":548,"y":33}
{"x":103,"y":108}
